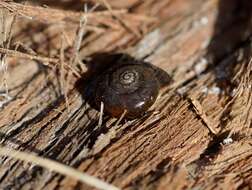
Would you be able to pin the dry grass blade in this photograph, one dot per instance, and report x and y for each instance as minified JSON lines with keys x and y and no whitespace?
{"x":78,"y":38}
{"x":97,"y":19}
{"x":14,"y":53}
{"x":50,"y":15}
{"x":121,"y":117}
{"x":5,"y":39}
{"x":63,"y":73}
{"x":57,"y":167}
{"x":36,"y":11}
{"x":44,"y":60}
{"x":122,"y":22}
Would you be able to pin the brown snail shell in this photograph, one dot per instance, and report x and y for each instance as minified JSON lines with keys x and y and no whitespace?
{"x":130,"y":86}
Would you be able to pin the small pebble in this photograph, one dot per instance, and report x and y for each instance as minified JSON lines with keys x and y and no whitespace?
{"x":228,"y":141}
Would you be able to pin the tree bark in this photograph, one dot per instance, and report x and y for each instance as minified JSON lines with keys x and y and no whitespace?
{"x":196,"y":136}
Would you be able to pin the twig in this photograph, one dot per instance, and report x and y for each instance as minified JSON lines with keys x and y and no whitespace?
{"x":14,"y":53}
{"x":122,"y":22}
{"x":50,"y":15}
{"x":200,"y":112}
{"x":44,"y":60}
{"x":57,"y":167}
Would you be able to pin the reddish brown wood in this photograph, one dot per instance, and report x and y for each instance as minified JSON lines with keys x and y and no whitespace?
{"x":203,"y":44}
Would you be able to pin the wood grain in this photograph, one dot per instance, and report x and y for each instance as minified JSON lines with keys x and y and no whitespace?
{"x":171,"y":147}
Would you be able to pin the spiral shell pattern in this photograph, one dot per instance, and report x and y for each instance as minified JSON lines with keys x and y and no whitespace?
{"x":128,"y":86}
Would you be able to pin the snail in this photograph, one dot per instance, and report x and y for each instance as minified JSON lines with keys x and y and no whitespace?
{"x":129,"y":85}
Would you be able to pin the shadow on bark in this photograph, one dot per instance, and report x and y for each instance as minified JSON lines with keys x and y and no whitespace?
{"x":232,"y":31}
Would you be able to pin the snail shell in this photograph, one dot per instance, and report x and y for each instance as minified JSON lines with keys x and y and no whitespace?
{"x":130,"y":86}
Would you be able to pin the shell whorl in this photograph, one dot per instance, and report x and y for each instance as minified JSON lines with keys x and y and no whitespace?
{"x":126,"y":79}
{"x":130,"y":86}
